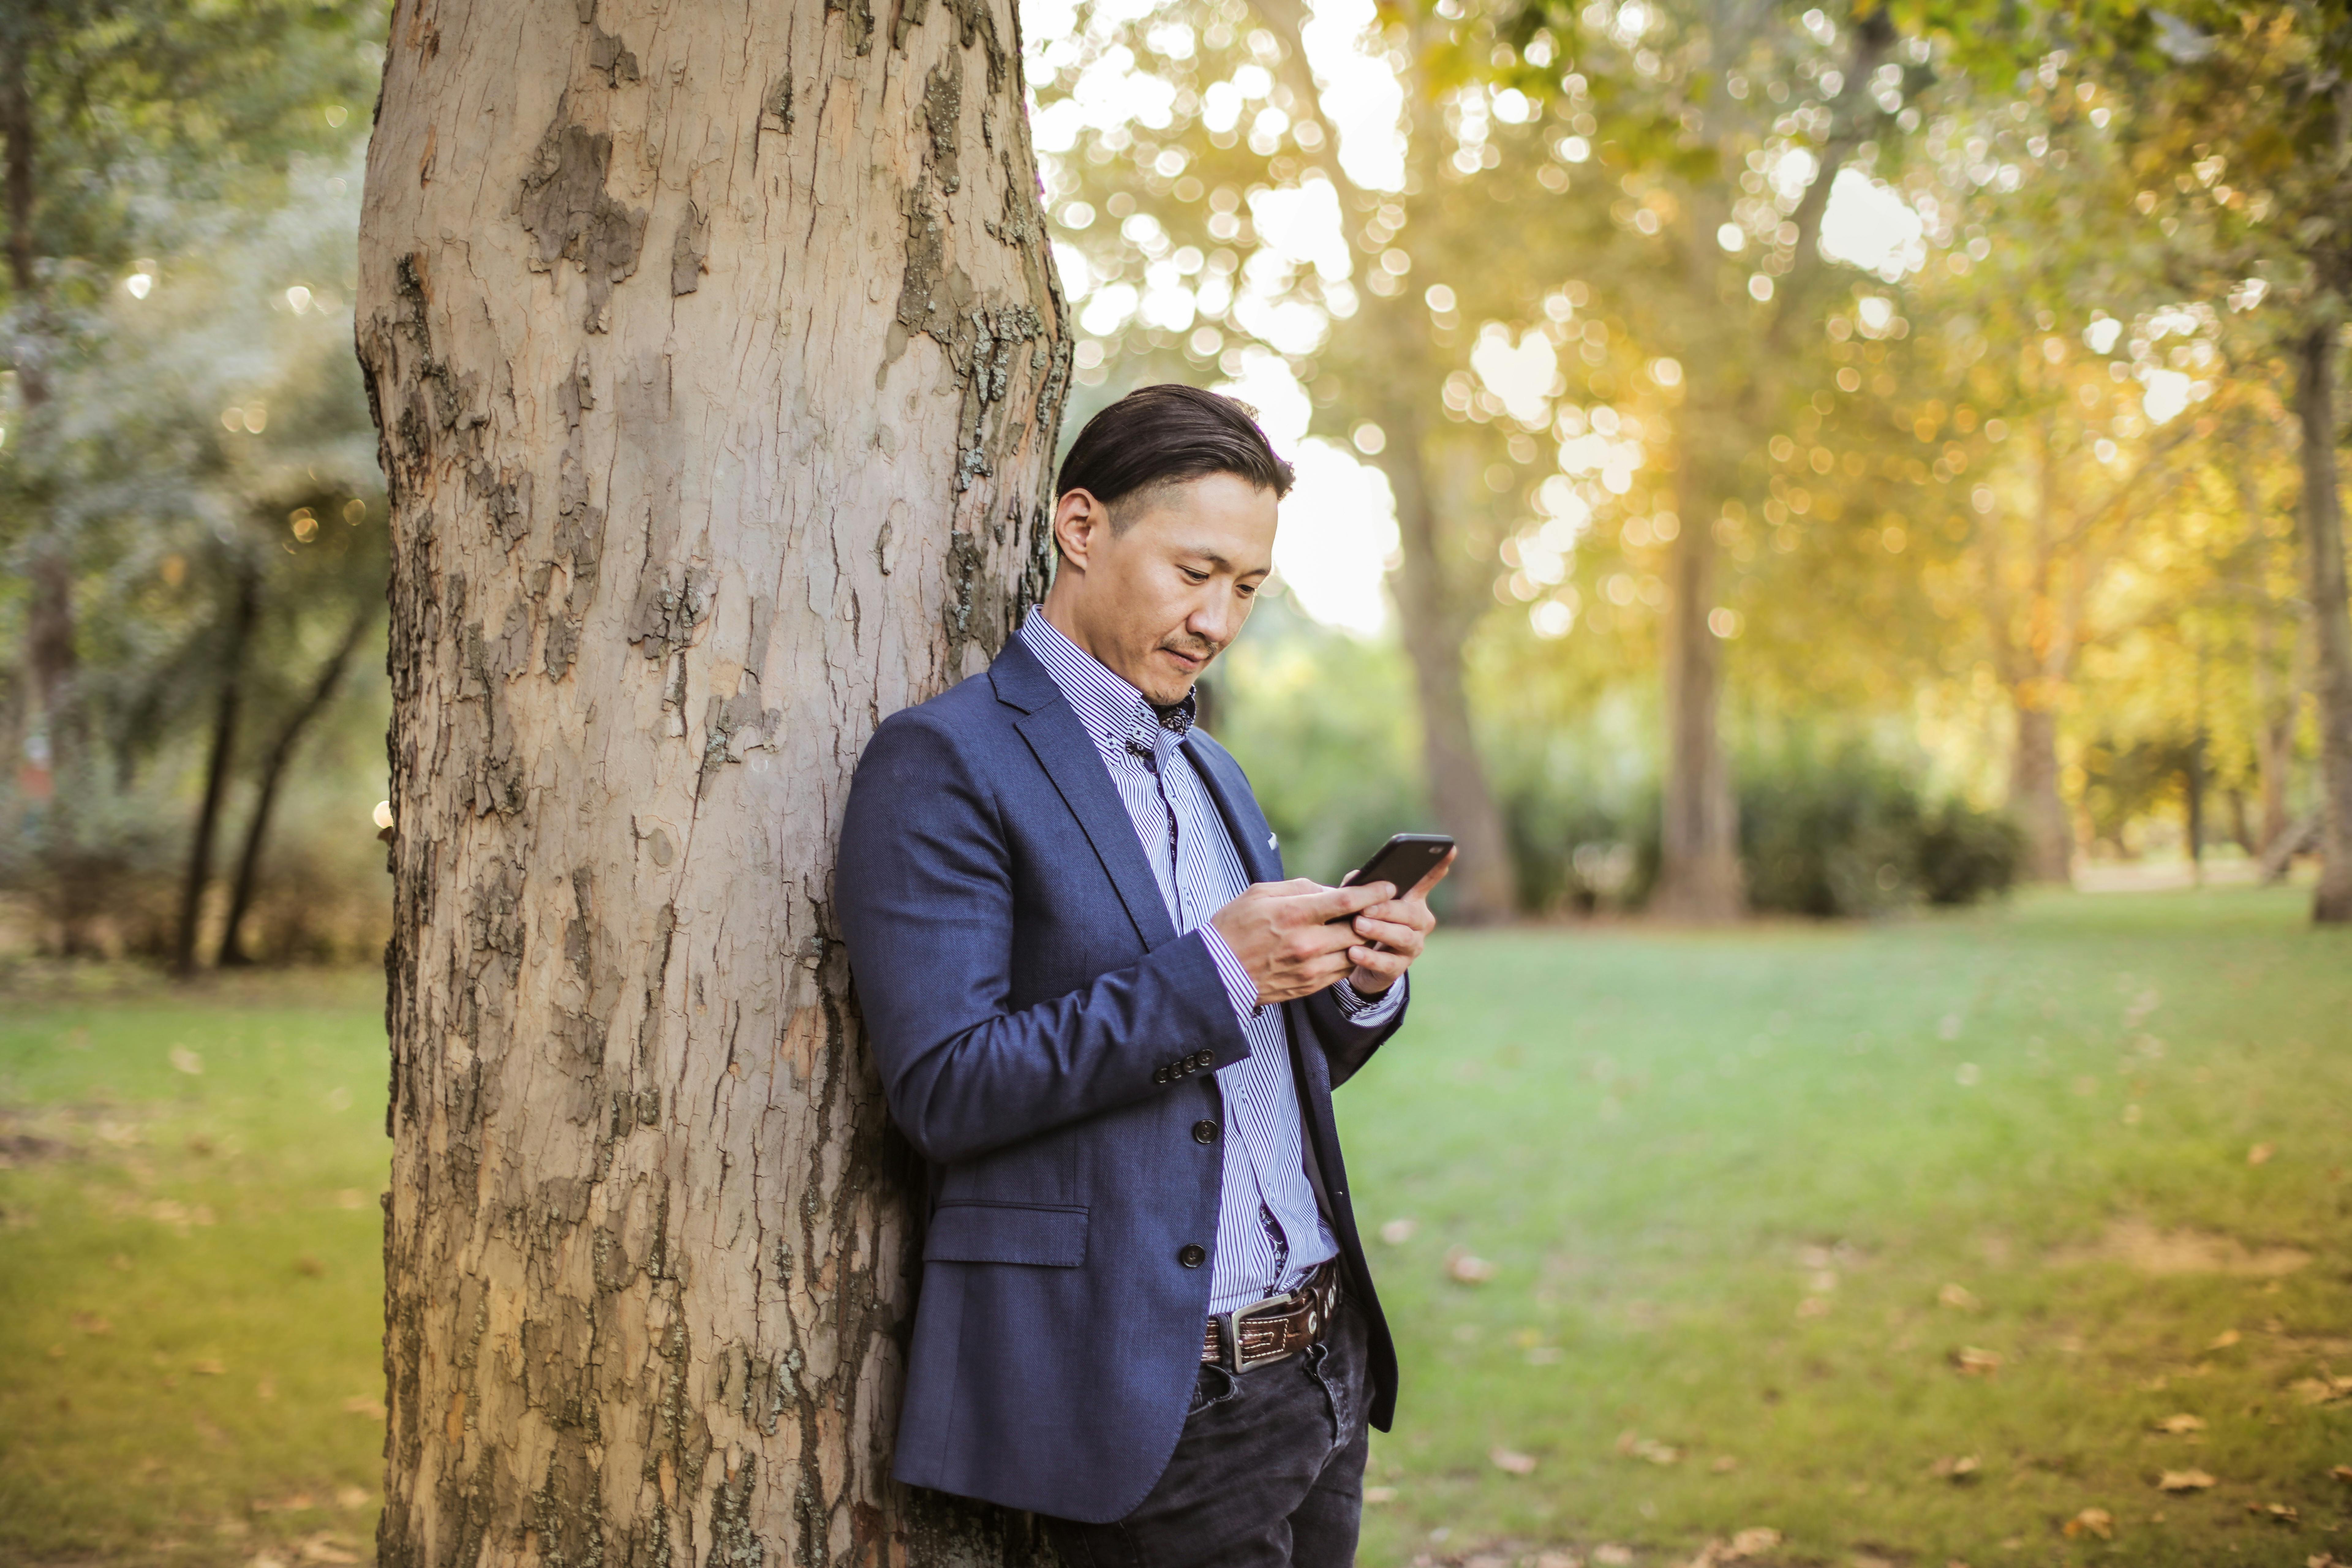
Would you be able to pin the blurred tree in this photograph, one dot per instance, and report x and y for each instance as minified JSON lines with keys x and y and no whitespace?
{"x":717,"y":372}
{"x":129,"y":126}
{"x":2240,"y":124}
{"x":2069,"y":466}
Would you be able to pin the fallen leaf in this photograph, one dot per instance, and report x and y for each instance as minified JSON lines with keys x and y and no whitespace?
{"x":187,"y":1061}
{"x":1974,"y":1363}
{"x":1960,"y":1470}
{"x":2342,"y":1473}
{"x":1657,"y":1453}
{"x":267,"y":1560}
{"x":2177,"y":1425}
{"x":1813,"y":1307}
{"x":2095,"y":1521}
{"x":1612,"y":1555}
{"x":327,"y":1549}
{"x":57,"y":1353}
{"x":2285,"y":1513}
{"x":1958,"y":1296}
{"x":292,"y":1502}
{"x":91,"y":1324}
{"x":1464,"y":1269}
{"x":2223,"y":1340}
{"x":366,"y":1404}
{"x":1513,"y":1463}
{"x":1723,"y":1464}
{"x":2185,"y":1481}
{"x":1545,"y":1355}
{"x":360,"y":1497}
{"x":2321,"y":1560}
{"x":1397,"y":1232}
{"x":309,"y":1265}
{"x":1379,"y":1494}
{"x":2324,"y":1389}
{"x":2259,"y":1155}
{"x":207,"y":1368}
{"x":1559,"y":1559}
{"x":1753,"y":1541}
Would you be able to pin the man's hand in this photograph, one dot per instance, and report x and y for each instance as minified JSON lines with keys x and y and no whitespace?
{"x":1282,"y":934}
{"x":1399,"y":927}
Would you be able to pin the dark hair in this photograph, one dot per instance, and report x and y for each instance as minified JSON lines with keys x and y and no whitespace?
{"x":1164,"y":435}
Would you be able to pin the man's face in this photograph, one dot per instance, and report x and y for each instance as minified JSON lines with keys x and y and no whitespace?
{"x":1157,"y":599}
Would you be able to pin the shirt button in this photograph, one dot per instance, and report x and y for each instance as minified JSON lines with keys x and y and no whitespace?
{"x":1193,"y":1255}
{"x":1204,"y":1131}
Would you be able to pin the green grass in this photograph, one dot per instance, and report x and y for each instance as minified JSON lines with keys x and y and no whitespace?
{"x":190,"y":1275}
{"x":1668,"y":1145}
{"x":1665,"y":1145}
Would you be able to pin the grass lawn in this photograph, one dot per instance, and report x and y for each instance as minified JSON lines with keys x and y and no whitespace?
{"x":1693,"y":1234}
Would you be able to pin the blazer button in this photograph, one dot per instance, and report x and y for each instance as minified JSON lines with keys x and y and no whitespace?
{"x":1193,"y":1255}
{"x":1204,"y":1131}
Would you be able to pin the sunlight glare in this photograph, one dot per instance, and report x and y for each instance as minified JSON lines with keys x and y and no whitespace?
{"x":1868,"y":225}
{"x":1520,"y":374}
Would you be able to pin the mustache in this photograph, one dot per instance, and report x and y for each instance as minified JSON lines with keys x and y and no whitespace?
{"x":1201,"y":648}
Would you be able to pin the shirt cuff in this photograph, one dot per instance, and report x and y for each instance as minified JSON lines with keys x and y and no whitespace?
{"x":1240,"y":989}
{"x":1358,"y":1008}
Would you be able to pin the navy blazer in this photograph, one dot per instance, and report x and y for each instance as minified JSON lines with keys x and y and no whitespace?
{"x":1024,"y":990}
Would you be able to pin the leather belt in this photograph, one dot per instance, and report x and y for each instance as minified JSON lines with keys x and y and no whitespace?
{"x":1276,"y":1326}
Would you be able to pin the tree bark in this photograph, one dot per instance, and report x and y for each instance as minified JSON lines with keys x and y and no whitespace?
{"x":247,"y":591}
{"x":2035,"y":803}
{"x":718,"y":365}
{"x":2331,"y":616}
{"x":1436,"y":628}
{"x":1698,"y":862}
{"x":273,"y":773}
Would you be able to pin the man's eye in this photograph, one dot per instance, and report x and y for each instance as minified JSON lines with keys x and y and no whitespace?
{"x":1192,"y":576}
{"x":1247,"y":589}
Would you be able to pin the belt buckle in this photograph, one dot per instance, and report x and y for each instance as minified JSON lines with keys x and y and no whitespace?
{"x":1312,"y":1294}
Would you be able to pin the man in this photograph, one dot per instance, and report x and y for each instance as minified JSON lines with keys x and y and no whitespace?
{"x":1113,"y":1030}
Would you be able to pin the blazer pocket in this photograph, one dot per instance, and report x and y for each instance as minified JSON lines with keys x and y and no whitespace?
{"x":968,"y":1232}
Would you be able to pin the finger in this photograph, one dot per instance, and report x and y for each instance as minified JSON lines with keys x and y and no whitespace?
{"x":1412,"y":912}
{"x":1388,"y":965}
{"x":1338,"y":902}
{"x":1388,"y":933}
{"x":1421,"y":889}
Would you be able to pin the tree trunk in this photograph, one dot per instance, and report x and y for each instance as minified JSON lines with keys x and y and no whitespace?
{"x":1699,"y":869}
{"x":216,"y":770}
{"x":718,"y":366}
{"x":1434,"y":613}
{"x":273,"y":773}
{"x":2331,"y":617}
{"x":1482,"y":884}
{"x":2274,"y":731}
{"x":2034,"y":803}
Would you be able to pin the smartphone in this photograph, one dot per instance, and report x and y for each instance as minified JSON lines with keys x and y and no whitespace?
{"x":1401,"y":863}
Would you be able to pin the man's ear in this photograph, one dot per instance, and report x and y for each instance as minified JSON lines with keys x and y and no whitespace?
{"x":1079,"y":524}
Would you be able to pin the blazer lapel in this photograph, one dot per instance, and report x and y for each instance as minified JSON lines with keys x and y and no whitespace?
{"x":1068,"y":757}
{"x":1244,"y":822}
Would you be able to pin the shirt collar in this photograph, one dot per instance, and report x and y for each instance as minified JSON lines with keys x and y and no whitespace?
{"x":1114,"y":715}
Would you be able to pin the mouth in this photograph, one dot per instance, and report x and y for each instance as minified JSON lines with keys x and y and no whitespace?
{"x":1191,"y":663}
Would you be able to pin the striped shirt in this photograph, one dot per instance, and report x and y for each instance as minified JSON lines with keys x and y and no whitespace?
{"x":1270,"y":1232}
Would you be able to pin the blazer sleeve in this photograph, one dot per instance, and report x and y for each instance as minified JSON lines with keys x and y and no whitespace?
{"x":925,"y":891}
{"x":1347,"y":1044}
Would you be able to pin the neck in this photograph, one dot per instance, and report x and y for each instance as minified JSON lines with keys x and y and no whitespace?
{"x":1059,"y":611}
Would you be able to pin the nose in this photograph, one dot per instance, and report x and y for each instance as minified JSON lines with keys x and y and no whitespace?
{"x":1217,"y":619}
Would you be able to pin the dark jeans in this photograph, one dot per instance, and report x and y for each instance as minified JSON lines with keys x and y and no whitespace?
{"x":1268,"y":1474}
